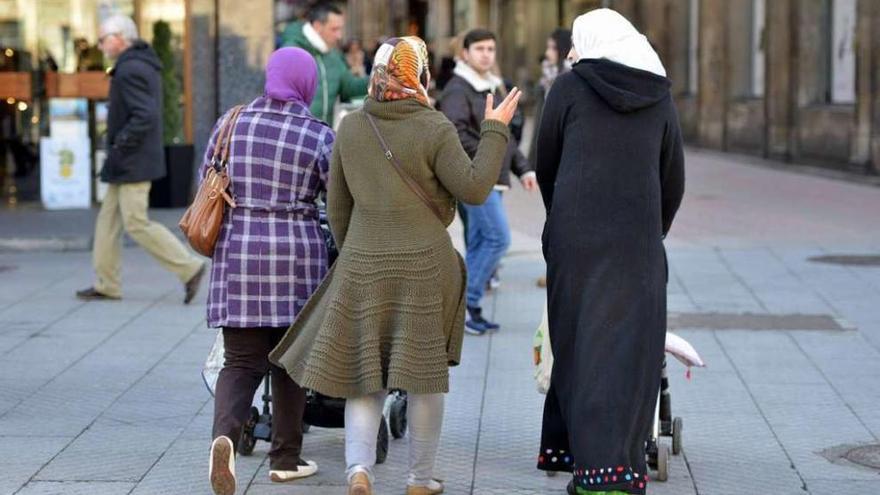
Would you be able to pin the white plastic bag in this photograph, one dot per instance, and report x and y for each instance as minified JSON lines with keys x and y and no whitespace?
{"x":214,"y":363}
{"x":543,"y":354}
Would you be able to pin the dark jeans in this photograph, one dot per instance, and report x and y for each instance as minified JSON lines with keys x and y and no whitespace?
{"x":246,"y":363}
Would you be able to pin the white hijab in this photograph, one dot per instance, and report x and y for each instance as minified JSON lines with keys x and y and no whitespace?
{"x":603,"y":33}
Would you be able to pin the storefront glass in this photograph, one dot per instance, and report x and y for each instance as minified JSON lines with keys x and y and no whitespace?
{"x":48,"y":51}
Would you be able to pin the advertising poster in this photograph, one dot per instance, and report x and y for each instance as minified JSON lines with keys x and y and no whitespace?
{"x":69,"y":118}
{"x":65,"y":173}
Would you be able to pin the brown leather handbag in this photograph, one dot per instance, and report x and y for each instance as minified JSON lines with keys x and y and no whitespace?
{"x":202,"y":221}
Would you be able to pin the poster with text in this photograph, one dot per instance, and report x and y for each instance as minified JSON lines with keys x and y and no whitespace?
{"x":65,"y":173}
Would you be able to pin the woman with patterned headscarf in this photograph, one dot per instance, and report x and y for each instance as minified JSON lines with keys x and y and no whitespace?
{"x":390,"y":314}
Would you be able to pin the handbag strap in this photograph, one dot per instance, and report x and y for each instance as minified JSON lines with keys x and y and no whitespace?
{"x":413,"y":185}
{"x":221,"y":146}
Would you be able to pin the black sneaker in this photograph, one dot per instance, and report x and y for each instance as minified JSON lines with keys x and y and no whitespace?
{"x":474,"y":327}
{"x":474,"y":324}
{"x":476,"y":315}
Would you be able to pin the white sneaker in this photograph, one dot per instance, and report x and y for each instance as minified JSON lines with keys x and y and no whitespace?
{"x":302,"y":471}
{"x":221,"y":467}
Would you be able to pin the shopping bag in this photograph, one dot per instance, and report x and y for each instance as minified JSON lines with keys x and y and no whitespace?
{"x":543,"y":354}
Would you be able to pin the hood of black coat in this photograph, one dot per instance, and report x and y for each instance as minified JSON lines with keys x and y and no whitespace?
{"x":625,"y":89}
{"x":139,"y":50}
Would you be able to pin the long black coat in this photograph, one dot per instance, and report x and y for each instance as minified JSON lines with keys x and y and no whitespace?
{"x":134,"y":123}
{"x":611,"y":170}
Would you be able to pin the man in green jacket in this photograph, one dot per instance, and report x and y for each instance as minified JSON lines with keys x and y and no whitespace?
{"x":320,"y":36}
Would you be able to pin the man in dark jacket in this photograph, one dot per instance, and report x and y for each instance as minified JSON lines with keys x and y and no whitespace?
{"x":135,"y":158}
{"x":488,"y":234}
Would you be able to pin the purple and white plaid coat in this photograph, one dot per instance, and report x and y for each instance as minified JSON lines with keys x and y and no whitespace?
{"x":270,"y":255}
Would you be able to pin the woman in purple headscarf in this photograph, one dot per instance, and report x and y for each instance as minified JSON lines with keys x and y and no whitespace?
{"x":268,"y":260}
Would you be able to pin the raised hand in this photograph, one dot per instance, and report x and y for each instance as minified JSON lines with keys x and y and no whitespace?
{"x":506,"y":109}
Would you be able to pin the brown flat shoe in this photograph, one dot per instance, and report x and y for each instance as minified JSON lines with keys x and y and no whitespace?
{"x":425,"y":490}
{"x":360,"y":485}
{"x":192,"y":287}
{"x":92,"y":294}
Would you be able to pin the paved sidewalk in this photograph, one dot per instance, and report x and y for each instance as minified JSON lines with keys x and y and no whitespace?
{"x":106,"y":398}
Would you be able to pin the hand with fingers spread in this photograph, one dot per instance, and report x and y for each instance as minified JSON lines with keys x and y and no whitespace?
{"x":506,"y":109}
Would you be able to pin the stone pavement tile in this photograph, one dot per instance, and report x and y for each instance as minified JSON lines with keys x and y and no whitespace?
{"x":77,"y":488}
{"x":183,"y":469}
{"x":22,"y":457}
{"x":57,"y":410}
{"x":768,"y":357}
{"x":326,"y":446}
{"x":834,"y":283}
{"x":829,"y":351}
{"x":170,"y":395}
{"x":680,"y":303}
{"x":200,"y":426}
{"x":772,"y":283}
{"x":710,"y":283}
{"x":806,"y":417}
{"x":194,"y":349}
{"x":122,"y":453}
{"x":843,"y":487}
{"x":736,"y":453}
{"x":679,"y":482}
{"x":725,"y":434}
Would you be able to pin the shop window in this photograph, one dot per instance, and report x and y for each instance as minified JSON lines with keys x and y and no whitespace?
{"x":746,"y":53}
{"x":758,"y":48}
{"x":693,"y":44}
{"x":841,"y":52}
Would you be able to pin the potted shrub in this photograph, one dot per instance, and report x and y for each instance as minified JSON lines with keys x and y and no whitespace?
{"x":172,"y":191}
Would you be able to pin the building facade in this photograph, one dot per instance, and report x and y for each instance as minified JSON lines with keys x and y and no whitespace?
{"x":794,"y":80}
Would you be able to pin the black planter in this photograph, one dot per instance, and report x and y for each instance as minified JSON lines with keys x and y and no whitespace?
{"x":173,"y":190}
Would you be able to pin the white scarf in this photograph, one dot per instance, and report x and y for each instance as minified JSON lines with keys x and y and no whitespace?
{"x":489,"y":82}
{"x":603,"y":33}
{"x":314,"y":38}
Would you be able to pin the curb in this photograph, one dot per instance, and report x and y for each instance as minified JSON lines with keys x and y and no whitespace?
{"x":52,"y":244}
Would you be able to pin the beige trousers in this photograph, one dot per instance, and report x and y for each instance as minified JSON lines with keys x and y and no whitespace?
{"x":125,"y":207}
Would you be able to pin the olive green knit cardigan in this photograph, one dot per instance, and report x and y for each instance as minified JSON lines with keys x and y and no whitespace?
{"x":390,"y":314}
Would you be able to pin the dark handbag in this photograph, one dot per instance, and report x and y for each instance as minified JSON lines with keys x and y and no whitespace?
{"x":413,"y":185}
{"x":203,"y":219}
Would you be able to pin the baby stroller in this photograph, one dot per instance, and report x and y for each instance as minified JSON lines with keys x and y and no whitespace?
{"x":320,"y":411}
{"x":665,"y":425}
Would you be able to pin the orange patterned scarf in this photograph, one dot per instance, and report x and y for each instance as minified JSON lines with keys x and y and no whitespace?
{"x":400,"y":70}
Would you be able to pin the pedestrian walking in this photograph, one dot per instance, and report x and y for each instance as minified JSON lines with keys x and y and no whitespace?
{"x":487,"y":228}
{"x":269,"y":259}
{"x":611,"y":171}
{"x":554,"y":63}
{"x":135,"y":158}
{"x":320,"y":35}
{"x":390,"y":314}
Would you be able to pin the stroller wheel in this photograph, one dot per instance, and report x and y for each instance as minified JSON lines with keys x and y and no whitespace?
{"x":248,"y":441}
{"x":651,"y":451}
{"x":662,"y":463}
{"x":397,"y":417}
{"x":677,"y":425}
{"x":382,"y":442}
{"x":306,"y":427}
{"x":551,"y":474}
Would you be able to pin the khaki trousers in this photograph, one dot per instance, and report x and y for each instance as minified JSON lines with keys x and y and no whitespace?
{"x":125,"y":207}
